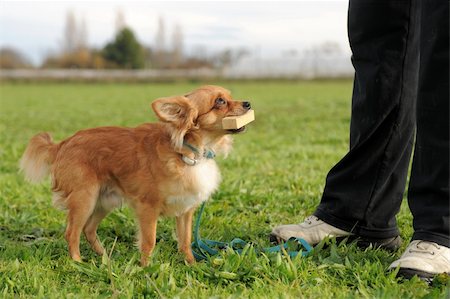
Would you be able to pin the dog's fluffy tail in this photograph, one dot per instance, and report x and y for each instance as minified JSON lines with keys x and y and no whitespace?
{"x":38,"y":157}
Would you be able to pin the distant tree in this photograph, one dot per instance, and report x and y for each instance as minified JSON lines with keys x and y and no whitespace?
{"x":160,"y":39}
{"x":125,"y":51}
{"x":200,"y":52}
{"x":12,"y":59}
{"x":229,"y":57}
{"x":70,"y":33}
{"x":329,"y":47}
{"x":177,"y":47}
{"x":80,"y":59}
{"x":82,"y":38}
{"x":148,"y":56}
{"x":196,"y":63}
{"x":199,"y":58}
{"x":75,"y":51}
{"x":317,"y":56}
{"x":120,"y":21}
{"x":159,"y":59}
{"x":74,"y":35}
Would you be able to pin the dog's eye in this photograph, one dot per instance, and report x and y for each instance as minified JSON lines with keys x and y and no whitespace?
{"x":220,"y":102}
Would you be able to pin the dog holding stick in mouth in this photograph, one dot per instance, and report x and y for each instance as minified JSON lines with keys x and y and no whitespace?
{"x":159,"y":169}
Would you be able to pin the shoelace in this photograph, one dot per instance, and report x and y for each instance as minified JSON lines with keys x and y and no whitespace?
{"x":420,"y":248}
{"x":310,"y":219}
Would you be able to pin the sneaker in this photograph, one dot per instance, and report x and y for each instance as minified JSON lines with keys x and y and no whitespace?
{"x":313,"y":230}
{"x":390,"y":244}
{"x":424,"y":259}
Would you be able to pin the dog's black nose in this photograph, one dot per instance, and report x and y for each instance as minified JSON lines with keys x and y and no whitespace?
{"x":246,"y":105}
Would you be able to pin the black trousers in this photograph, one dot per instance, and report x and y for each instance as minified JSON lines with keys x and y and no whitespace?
{"x":400,"y":102}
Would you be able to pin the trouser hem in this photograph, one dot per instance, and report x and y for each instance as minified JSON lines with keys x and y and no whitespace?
{"x":432,"y":237}
{"x":355,"y":228}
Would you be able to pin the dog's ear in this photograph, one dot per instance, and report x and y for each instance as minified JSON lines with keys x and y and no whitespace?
{"x":179,"y":112}
{"x":173,"y":109}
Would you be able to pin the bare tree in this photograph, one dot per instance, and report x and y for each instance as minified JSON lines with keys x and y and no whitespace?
{"x":82,"y":35}
{"x":330,"y":47}
{"x":75,"y":34}
{"x":70,"y":33}
{"x":120,"y":21}
{"x":160,"y":44}
{"x":200,"y":52}
{"x":160,"y":40}
{"x":177,"y":46}
{"x":229,"y":57}
{"x":318,"y":57}
{"x":11,"y":58}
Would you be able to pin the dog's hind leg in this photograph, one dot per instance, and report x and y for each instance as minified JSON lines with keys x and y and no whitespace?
{"x":108,"y":200}
{"x":90,"y":229}
{"x":81,"y":204}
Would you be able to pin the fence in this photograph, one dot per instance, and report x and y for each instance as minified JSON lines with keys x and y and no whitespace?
{"x":282,"y":68}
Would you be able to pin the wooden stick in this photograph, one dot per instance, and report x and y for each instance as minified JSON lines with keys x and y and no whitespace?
{"x":236,"y":122}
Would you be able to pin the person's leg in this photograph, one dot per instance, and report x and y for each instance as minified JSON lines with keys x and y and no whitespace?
{"x":363,"y":192}
{"x":428,"y":194}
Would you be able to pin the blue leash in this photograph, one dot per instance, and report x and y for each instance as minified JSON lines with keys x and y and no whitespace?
{"x":203,"y":248}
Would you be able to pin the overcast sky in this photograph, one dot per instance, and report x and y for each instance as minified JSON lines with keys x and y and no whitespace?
{"x":269,"y":28}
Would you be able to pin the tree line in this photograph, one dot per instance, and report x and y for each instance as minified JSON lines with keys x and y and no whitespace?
{"x":124,"y":51}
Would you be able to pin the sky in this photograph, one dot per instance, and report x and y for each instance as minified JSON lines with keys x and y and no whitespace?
{"x":268,"y":28}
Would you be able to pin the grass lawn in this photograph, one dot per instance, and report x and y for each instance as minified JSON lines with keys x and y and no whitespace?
{"x":274,"y":175}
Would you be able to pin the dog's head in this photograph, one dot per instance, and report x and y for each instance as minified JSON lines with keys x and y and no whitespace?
{"x":200,"y":110}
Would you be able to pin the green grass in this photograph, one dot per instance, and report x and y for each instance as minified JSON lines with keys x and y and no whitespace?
{"x":275,"y":175}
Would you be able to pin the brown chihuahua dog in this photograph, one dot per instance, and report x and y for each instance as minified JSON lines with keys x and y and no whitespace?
{"x":164,"y":168}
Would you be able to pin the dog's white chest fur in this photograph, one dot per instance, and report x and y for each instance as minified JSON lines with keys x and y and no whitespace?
{"x":203,"y":179}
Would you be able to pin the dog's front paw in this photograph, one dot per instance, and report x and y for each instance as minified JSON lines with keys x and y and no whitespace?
{"x":76,"y":258}
{"x":189,"y":258}
{"x":144,"y":261}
